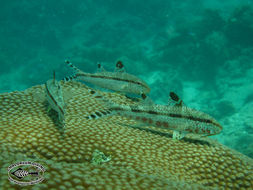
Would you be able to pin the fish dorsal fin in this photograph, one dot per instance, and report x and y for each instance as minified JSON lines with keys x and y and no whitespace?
{"x":103,"y":112}
{"x":119,"y":67}
{"x":174,"y":100}
{"x":54,"y":81}
{"x":100,"y":68}
{"x":72,"y":66}
{"x":76,"y":70}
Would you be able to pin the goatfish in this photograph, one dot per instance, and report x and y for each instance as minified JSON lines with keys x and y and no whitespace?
{"x":119,"y":80}
{"x":178,"y":117}
{"x":54,"y":97}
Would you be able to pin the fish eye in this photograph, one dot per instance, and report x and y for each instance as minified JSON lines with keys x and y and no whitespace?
{"x":143,"y":96}
{"x":92,"y":92}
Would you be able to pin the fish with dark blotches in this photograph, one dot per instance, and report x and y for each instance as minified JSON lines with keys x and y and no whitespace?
{"x":176,"y":117}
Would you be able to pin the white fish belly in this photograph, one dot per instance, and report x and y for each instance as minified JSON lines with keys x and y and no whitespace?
{"x":115,"y":85}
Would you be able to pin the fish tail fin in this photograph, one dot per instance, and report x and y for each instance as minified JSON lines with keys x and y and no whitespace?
{"x":99,"y":113}
{"x":109,"y":109}
{"x":105,"y":100}
{"x":72,"y":66}
{"x":68,"y":78}
{"x":76,"y":70}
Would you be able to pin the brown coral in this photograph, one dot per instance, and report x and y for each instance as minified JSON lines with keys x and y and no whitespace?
{"x":140,"y":158}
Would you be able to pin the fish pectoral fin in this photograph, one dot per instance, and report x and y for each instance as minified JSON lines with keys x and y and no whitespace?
{"x":124,"y":86}
{"x":178,"y":135}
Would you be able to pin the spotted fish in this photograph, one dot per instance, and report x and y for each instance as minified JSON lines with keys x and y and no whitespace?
{"x":54,"y":97}
{"x":118,"y":81}
{"x":178,"y":117}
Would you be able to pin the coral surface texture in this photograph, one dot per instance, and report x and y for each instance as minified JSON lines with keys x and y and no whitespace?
{"x":131,"y":157}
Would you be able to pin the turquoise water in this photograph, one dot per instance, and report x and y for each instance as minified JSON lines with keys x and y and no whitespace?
{"x":202,"y":50}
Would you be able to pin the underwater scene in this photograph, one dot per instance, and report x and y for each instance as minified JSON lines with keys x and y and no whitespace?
{"x":126,"y":94}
